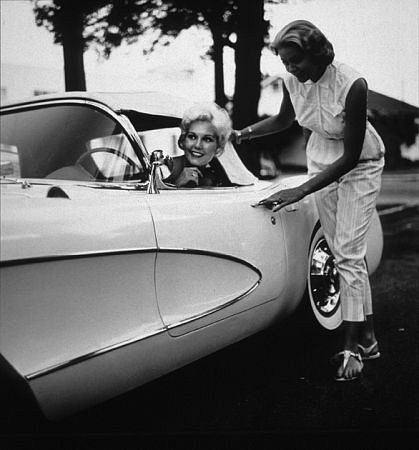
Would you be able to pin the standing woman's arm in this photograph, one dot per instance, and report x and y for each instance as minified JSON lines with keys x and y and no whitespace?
{"x":284,"y":119}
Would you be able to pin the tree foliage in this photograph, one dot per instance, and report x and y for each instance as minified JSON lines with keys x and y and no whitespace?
{"x":167,"y":18}
{"x":238,"y":24}
{"x":73,"y":24}
{"x":57,"y":16}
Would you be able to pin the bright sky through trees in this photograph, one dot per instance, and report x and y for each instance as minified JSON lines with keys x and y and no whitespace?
{"x":378,"y":37}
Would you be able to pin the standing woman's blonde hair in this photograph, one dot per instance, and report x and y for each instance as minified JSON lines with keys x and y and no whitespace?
{"x":308,"y":38}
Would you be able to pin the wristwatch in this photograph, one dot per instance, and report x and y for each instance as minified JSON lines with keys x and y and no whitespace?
{"x":240,"y":137}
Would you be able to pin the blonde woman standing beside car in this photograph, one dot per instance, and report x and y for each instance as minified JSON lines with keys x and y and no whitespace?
{"x":345,"y":161}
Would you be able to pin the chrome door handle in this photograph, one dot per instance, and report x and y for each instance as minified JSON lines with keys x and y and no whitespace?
{"x":292,"y":207}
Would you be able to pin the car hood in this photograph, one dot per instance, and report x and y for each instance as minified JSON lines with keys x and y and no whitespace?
{"x":50,"y":220}
{"x":46,"y":219}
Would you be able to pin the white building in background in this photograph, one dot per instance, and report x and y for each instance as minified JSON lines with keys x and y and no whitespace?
{"x":19,"y":81}
{"x":184,"y":80}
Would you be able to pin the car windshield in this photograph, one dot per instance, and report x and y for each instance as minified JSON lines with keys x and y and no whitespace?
{"x":165,"y":139}
{"x":71,"y":142}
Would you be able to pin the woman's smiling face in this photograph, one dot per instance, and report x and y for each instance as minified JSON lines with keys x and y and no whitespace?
{"x":299,"y":64}
{"x":200,"y":143}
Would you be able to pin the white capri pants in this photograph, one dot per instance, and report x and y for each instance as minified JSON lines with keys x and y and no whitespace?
{"x":345,"y":210}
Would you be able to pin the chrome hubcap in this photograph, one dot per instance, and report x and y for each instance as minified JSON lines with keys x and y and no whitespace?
{"x":324,"y":279}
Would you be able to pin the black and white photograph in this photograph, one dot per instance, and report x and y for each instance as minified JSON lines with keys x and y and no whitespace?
{"x":209,"y":224}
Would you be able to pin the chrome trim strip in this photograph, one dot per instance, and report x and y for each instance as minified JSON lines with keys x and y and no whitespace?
{"x":215,"y":309}
{"x":79,"y":359}
{"x":210,"y":253}
{"x":92,"y":254}
{"x":224,"y":305}
{"x":129,"y":127}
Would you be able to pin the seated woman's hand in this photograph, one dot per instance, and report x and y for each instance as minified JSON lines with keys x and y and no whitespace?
{"x":235,"y":137}
{"x":188,"y":175}
{"x":282,"y":198}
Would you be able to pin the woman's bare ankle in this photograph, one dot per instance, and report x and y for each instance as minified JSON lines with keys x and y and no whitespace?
{"x":367,"y":335}
{"x":351,"y":336}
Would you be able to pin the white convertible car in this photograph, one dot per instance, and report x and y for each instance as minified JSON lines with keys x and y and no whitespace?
{"x":110,"y":278}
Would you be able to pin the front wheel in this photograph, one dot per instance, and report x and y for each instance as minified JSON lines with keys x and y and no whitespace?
{"x":323,"y":283}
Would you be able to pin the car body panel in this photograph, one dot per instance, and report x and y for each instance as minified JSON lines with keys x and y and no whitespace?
{"x":71,"y":308}
{"x":90,"y":220}
{"x":183,"y":211}
{"x":193,"y":285}
{"x":67,"y":262}
{"x":77,"y":386}
{"x":106,"y":285}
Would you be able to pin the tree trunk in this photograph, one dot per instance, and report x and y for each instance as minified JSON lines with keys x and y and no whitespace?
{"x":251,"y":30}
{"x":218,"y":49}
{"x":73,"y":49}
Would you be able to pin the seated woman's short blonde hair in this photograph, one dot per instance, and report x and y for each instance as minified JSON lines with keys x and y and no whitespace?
{"x":207,"y":112}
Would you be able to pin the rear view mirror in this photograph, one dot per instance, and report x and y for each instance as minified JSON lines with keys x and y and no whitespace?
{"x":161,"y":167}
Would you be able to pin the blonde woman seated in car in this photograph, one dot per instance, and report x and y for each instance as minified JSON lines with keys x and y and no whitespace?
{"x":205,"y":130}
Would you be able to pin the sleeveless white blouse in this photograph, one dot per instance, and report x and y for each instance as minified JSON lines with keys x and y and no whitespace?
{"x":320,"y":107}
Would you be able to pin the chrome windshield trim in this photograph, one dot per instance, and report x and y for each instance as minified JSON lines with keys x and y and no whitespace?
{"x":63,"y":365}
{"x":119,"y":118}
{"x":129,"y":127}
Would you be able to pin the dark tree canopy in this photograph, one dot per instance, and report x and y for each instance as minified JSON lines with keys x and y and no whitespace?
{"x":57,"y":15}
{"x":239,"y":24}
{"x":70,"y":22}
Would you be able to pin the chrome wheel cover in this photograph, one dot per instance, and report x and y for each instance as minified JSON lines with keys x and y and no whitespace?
{"x":324,"y":280}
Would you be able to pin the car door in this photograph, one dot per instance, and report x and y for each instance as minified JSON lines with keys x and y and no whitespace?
{"x":217,"y":256}
{"x":78,"y":308}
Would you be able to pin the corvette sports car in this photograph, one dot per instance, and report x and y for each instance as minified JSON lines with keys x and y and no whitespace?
{"x":111,"y":278}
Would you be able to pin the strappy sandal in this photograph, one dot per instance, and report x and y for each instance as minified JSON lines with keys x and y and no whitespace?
{"x":370,"y":352}
{"x":344,"y":356}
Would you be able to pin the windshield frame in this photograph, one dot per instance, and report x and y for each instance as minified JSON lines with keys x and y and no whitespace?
{"x":120,"y":119}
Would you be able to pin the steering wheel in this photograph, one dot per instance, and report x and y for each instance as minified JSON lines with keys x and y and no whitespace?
{"x":87,"y":162}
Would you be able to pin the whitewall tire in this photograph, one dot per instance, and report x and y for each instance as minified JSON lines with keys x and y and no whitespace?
{"x":323,"y":283}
